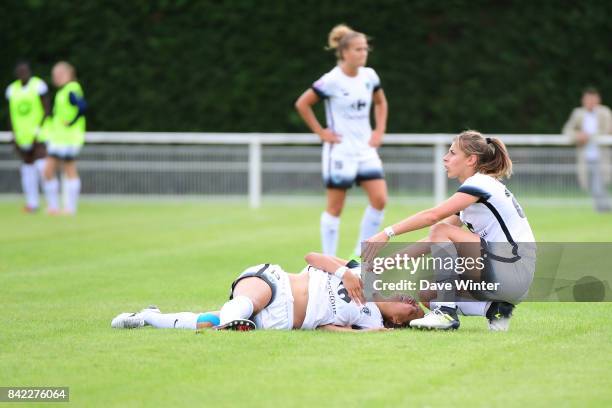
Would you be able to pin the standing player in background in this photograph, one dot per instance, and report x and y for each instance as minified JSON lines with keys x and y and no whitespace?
{"x":349,"y":143}
{"x":29,"y":106}
{"x":66,"y":139}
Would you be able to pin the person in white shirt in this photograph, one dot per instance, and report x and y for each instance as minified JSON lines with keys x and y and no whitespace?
{"x":584,"y":126}
{"x":266,"y":297}
{"x":498,"y":235}
{"x":349,"y":142}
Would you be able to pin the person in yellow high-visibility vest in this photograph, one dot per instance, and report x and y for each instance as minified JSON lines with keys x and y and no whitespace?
{"x":29,"y":107}
{"x":66,"y":138}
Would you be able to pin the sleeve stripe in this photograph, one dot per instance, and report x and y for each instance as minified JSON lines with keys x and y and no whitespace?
{"x":319,"y":93}
{"x":376,"y":88}
{"x":474,"y":191}
{"x":352,"y":264}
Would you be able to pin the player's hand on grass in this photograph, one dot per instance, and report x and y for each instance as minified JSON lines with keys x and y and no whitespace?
{"x":376,"y":138}
{"x":354,"y":285}
{"x":328,"y":135}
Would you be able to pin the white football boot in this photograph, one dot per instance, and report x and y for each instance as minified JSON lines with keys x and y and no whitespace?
{"x":132,"y":320}
{"x":438,"y":319}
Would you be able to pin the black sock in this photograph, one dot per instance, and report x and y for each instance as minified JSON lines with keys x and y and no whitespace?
{"x":451,"y":311}
{"x":500,"y":309}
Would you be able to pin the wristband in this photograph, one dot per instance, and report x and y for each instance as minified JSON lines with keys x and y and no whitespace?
{"x":340,"y":272}
{"x":389,"y":231}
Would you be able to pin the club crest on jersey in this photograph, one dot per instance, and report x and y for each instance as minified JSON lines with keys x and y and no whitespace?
{"x":24,"y":108}
{"x":366,"y":310}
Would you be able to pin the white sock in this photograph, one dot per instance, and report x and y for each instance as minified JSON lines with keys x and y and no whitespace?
{"x":435,"y":304}
{"x":40,"y":171}
{"x":473,"y":308}
{"x":370,"y":223}
{"x":183,"y":320}
{"x":240,"y":307}
{"x":73,"y":188}
{"x":51,"y":188}
{"x":29,"y":184}
{"x":40,"y":168}
{"x":330,"y":226}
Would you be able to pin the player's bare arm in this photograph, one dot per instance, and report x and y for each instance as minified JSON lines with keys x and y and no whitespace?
{"x":381,"y":109}
{"x":334,"y":265}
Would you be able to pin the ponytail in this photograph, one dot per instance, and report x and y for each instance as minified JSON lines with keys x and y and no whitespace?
{"x":491,"y":152}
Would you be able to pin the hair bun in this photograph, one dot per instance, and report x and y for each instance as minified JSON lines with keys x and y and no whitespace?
{"x":336,"y":34}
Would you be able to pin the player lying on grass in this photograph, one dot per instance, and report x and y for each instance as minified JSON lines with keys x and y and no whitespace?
{"x":498,"y":232}
{"x":266,"y":297}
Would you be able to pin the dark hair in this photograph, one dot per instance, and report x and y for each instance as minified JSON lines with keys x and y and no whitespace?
{"x":493,"y":157}
{"x":590,"y":90}
{"x":22,"y":62}
{"x":388,"y":325}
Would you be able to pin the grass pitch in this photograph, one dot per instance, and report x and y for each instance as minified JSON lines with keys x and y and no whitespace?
{"x":63,"y":279}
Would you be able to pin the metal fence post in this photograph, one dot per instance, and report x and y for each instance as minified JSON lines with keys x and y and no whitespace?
{"x":439,"y":173}
{"x":255,"y":172}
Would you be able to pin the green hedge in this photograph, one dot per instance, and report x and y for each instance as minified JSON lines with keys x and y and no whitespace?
{"x":503,"y":66}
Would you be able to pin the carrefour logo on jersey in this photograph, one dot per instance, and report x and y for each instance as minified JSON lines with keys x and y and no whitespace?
{"x":359,"y":104}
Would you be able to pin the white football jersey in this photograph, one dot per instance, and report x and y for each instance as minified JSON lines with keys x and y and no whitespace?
{"x":497,"y":216}
{"x":329,"y":303}
{"x":347,"y":107}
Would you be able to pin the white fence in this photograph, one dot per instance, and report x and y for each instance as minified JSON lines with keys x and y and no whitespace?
{"x":242,"y":154}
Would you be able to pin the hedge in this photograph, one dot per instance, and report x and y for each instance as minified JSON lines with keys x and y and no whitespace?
{"x":503,"y":66}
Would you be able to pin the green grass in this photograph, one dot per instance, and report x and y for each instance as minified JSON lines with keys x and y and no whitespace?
{"x":63,"y":279}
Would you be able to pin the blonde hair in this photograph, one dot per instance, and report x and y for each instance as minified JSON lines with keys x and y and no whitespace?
{"x":492,"y":156}
{"x":68,"y":67}
{"x":340,"y":37}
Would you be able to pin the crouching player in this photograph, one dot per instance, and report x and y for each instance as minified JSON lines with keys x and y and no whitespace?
{"x":498,"y":232}
{"x":266,"y":297}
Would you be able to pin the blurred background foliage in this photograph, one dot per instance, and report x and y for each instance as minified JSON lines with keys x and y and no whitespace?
{"x":497,"y":66}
